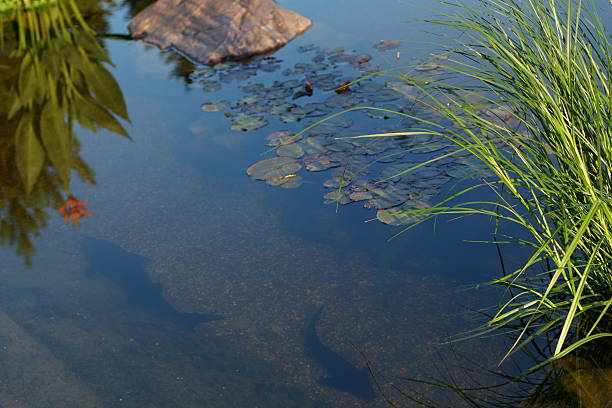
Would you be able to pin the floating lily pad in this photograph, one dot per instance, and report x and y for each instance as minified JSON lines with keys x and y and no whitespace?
{"x":278,"y":93}
{"x":389,"y":195}
{"x":289,"y":84}
{"x":320,"y":162}
{"x":273,"y":169}
{"x":292,"y":181}
{"x":251,"y":98}
{"x":397,"y":216}
{"x":269,"y":67}
{"x":252,"y":88}
{"x":334,"y":124}
{"x":214,"y":107}
{"x":306,"y":48}
{"x":293,"y":150}
{"x":386,"y":45}
{"x":314,"y":145}
{"x":210,"y":86}
{"x":225,"y":65}
{"x":360,"y":195}
{"x":289,"y":117}
{"x":345,"y":100}
{"x":255,"y":108}
{"x":337,"y":196}
{"x":282,"y":137}
{"x":384,"y":95}
{"x":314,"y":110}
{"x":204,"y":72}
{"x":237,"y":75}
{"x":249,"y":123}
{"x":368,"y":87}
{"x":280,"y":107}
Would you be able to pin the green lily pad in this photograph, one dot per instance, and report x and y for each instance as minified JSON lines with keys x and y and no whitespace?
{"x":386,"y":45}
{"x":293,"y":150}
{"x":280,"y":107}
{"x":253,"y":88}
{"x":274,"y":168}
{"x":334,"y":124}
{"x":282,"y":137}
{"x":289,"y":117}
{"x":384,"y":95}
{"x":251,"y":98}
{"x":292,"y":182}
{"x":345,"y":100}
{"x":204,"y":72}
{"x":249,"y":123}
{"x":214,"y":107}
{"x":320,"y":162}
{"x":360,"y":195}
{"x":237,"y":75}
{"x":397,"y":216}
{"x":210,"y":86}
{"x":314,"y":110}
{"x":389,"y":195}
{"x":337,"y":196}
{"x":314,"y":145}
{"x":306,"y":48}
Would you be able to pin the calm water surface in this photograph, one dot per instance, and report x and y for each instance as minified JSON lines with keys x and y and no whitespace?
{"x":192,"y":285}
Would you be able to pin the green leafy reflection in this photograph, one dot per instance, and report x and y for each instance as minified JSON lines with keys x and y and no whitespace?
{"x":52,"y":75}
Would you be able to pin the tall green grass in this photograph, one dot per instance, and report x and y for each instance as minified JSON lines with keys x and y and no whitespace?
{"x":544,"y":130}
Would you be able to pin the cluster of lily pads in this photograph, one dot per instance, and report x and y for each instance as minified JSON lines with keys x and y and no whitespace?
{"x":368,"y":170}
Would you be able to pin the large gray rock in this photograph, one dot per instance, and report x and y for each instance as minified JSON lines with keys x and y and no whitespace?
{"x":212,"y":30}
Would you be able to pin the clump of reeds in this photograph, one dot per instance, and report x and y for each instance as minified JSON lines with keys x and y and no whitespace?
{"x":544,"y":130}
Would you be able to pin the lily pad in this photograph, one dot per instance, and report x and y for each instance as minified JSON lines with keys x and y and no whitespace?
{"x":306,"y":48}
{"x":253,"y":88}
{"x":280,"y":107}
{"x":334,"y":124}
{"x":389,"y":195}
{"x":273,"y":168}
{"x":282,"y":137}
{"x":314,"y":110}
{"x":293,"y":150}
{"x":237,"y":75}
{"x":337,"y":196}
{"x":345,"y":100}
{"x":251,"y":98}
{"x":320,"y":162}
{"x":314,"y":145}
{"x":210,"y":86}
{"x":386,"y":45}
{"x":384,"y":95}
{"x":289,"y":117}
{"x":249,"y":123}
{"x":292,"y":181}
{"x":204,"y":72}
{"x":214,"y":107}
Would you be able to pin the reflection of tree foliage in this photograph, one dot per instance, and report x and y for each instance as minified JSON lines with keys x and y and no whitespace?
{"x":52,"y":76}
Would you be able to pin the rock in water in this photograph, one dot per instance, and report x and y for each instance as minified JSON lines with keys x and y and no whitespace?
{"x":213,"y":30}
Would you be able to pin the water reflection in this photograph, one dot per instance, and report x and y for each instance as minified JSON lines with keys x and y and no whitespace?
{"x":53,"y":78}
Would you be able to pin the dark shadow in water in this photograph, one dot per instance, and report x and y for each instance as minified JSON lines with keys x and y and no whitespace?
{"x":340,"y":373}
{"x":127,"y":270}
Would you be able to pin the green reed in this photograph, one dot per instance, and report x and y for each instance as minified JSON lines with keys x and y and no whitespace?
{"x":543,"y":129}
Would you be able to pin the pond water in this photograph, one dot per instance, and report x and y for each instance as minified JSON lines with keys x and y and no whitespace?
{"x":192,"y":284}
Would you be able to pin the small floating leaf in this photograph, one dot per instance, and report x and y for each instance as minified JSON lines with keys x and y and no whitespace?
{"x":273,"y":168}
{"x":204,"y":72}
{"x":386,"y":45}
{"x":248,"y":123}
{"x":282,"y":137}
{"x":214,"y":107}
{"x":293,"y":150}
{"x":210,"y":86}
